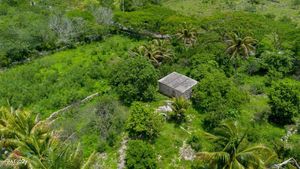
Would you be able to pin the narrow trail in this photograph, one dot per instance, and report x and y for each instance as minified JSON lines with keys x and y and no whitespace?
{"x":122,"y":153}
{"x":290,"y":131}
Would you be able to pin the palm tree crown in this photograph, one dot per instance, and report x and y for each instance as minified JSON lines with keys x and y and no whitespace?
{"x":22,"y":133}
{"x":157,"y":51}
{"x":188,"y":35}
{"x":234,"y":151}
{"x":33,"y":140}
{"x":237,"y":46}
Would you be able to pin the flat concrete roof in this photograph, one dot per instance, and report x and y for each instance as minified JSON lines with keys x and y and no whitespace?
{"x":178,"y":82}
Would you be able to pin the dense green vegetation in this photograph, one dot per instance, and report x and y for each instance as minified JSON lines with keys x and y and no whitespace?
{"x":134,"y":80}
{"x":31,"y":28}
{"x":50,"y":83}
{"x":140,"y":155}
{"x":243,"y":113}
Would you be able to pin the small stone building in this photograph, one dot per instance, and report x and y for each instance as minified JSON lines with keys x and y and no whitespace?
{"x":177,"y":85}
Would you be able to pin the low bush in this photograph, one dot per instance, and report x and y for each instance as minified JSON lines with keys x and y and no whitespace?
{"x":140,"y":155}
{"x":213,"y":119}
{"x":284,"y":101}
{"x":109,"y":119}
{"x":37,"y":29}
{"x":143,"y":123}
{"x":279,"y":62}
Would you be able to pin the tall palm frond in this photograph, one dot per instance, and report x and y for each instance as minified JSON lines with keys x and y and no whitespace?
{"x":32,"y":140}
{"x":235,"y":153}
{"x":188,"y":35}
{"x":90,"y":161}
{"x":157,"y":51}
{"x":22,"y":133}
{"x":179,"y":107}
{"x":238,"y":46}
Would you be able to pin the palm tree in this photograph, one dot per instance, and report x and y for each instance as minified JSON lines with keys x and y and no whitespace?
{"x":32,"y":140}
{"x":179,"y":107}
{"x":157,"y":51}
{"x":24,"y":136}
{"x":65,"y":156}
{"x":188,"y":35}
{"x":19,"y":129}
{"x":235,"y":152}
{"x":240,"y":47}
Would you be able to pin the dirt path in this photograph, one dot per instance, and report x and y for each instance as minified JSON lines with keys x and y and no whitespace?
{"x":122,"y":153}
{"x":290,"y":131}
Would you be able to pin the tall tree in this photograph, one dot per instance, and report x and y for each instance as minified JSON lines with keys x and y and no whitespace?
{"x":239,"y":47}
{"x":234,"y":151}
{"x":135,"y":80}
{"x":188,"y":35}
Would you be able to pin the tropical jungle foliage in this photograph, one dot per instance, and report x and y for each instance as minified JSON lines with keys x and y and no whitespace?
{"x":79,"y":84}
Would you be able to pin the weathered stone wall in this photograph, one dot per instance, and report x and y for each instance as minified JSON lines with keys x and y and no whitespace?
{"x":188,"y":94}
{"x":166,"y":90}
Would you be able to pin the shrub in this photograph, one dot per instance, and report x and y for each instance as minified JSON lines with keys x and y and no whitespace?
{"x":39,"y":30}
{"x":153,"y":18}
{"x":252,"y":66}
{"x":143,"y":123}
{"x":203,"y":70}
{"x":296,"y":2}
{"x":257,"y":89}
{"x":50,"y":83}
{"x":109,"y":119}
{"x":134,"y":80}
{"x":295,"y":151}
{"x":202,"y":57}
{"x":132,"y":5}
{"x":195,"y":142}
{"x":284,"y":101}
{"x":213,"y":119}
{"x":107,"y":3}
{"x":283,"y":150}
{"x":140,"y":155}
{"x":4,"y":61}
{"x":216,"y":92}
{"x":244,"y":22}
{"x":278,"y":62}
